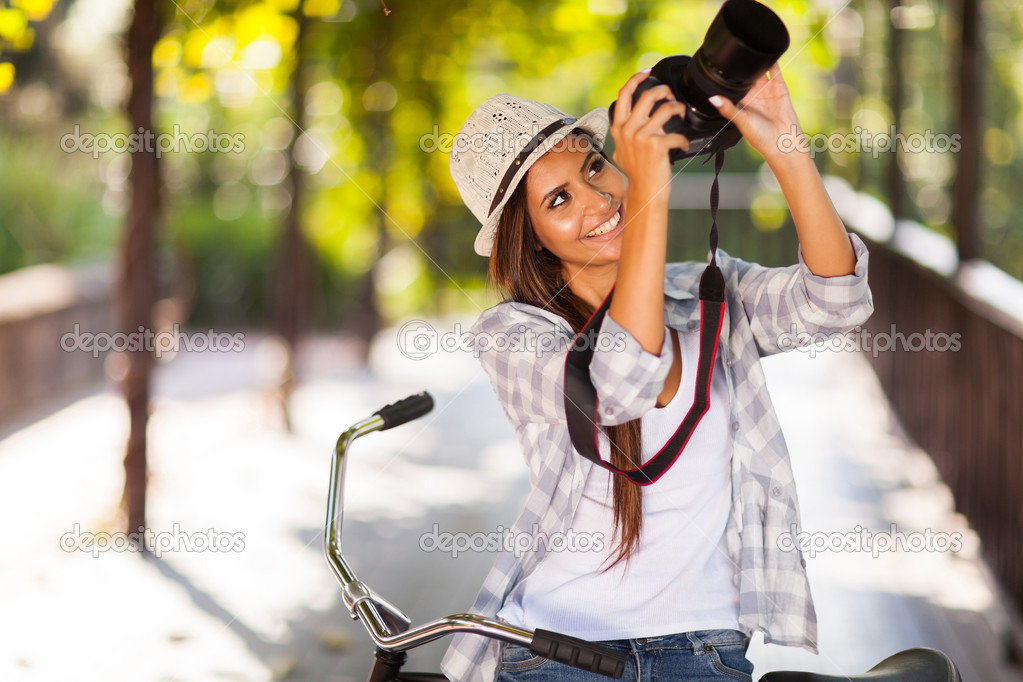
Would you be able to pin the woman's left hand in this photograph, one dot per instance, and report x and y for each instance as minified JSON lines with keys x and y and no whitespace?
{"x":765,"y":116}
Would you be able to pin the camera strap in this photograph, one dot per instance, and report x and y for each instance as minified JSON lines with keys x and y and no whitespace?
{"x":580,"y":397}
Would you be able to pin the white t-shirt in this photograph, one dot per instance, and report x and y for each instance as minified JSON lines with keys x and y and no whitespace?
{"x":681,"y":578}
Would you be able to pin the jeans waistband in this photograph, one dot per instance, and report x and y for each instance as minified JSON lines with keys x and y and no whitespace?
{"x":695,"y":640}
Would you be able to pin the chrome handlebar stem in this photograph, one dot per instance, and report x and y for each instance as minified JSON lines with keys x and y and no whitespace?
{"x":386,"y":623}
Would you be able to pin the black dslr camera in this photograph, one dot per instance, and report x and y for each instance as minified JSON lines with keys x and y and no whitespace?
{"x":743,"y":42}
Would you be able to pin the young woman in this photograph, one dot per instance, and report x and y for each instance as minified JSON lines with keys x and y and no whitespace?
{"x":678,"y":573}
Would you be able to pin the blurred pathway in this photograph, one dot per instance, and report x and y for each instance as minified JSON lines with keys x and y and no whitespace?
{"x":264,"y":605}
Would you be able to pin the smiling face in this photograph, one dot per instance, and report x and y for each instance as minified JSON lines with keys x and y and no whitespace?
{"x":574,"y":199}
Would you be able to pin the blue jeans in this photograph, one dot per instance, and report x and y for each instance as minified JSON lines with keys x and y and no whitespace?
{"x":699,"y":656}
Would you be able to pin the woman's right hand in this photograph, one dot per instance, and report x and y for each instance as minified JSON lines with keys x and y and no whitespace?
{"x":641,"y":145}
{"x":641,"y":152}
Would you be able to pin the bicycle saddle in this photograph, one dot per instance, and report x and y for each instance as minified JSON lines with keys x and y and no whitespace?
{"x":920,"y":664}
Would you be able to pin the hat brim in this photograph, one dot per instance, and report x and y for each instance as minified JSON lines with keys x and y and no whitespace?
{"x":595,"y":121}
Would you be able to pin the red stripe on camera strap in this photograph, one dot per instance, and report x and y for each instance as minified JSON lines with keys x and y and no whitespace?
{"x":580,"y":396}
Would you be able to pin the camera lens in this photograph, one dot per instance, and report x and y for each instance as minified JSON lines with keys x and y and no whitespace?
{"x":742,"y":43}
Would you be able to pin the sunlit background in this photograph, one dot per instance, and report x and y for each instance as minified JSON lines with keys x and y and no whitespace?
{"x":377,"y":86}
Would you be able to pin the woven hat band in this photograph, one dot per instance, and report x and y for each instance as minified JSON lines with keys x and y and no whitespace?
{"x":509,"y":175}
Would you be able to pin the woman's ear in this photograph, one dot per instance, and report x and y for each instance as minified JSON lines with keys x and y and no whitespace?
{"x":537,"y":244}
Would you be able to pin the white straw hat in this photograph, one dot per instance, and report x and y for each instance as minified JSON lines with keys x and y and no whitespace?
{"x":501,"y":139}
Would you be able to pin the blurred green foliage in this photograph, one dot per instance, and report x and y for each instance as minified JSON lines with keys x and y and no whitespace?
{"x":48,"y":206}
{"x":380,"y":209}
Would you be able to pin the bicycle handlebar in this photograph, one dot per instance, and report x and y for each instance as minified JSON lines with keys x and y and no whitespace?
{"x":405,"y":410}
{"x":578,"y":653}
{"x":386,"y":623}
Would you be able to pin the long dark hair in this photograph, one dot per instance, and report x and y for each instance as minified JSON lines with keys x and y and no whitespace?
{"x":529,"y":273}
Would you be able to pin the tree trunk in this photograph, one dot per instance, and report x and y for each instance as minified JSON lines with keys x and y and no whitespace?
{"x":969,"y":98}
{"x":138,"y":261}
{"x":295,"y":264}
{"x":895,"y":184}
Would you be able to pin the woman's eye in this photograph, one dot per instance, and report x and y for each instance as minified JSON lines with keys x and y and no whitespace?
{"x":595,"y":167}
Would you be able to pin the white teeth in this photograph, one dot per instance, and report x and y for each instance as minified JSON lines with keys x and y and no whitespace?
{"x":607,"y":226}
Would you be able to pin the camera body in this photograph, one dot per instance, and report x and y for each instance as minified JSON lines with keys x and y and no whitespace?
{"x":743,"y":42}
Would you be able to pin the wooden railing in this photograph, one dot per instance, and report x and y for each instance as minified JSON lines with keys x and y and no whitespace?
{"x":39,"y":306}
{"x":965,"y":406}
{"x":960,"y":396}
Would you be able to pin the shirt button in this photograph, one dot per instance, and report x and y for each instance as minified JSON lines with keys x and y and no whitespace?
{"x":608,"y":411}
{"x":691,"y":325}
{"x":802,"y":562}
{"x":735,"y":426}
{"x":776,"y":491}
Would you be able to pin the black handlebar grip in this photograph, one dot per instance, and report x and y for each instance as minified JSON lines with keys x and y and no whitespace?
{"x":405,"y":410}
{"x":578,"y":653}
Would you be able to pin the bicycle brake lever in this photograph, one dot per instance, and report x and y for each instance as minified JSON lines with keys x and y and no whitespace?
{"x":358,"y":591}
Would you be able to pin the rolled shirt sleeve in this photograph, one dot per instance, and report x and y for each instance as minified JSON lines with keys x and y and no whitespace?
{"x":791,"y":307}
{"x":627,"y":377}
{"x":523,"y":351}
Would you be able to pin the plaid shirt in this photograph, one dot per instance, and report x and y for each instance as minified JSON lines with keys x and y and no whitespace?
{"x":768,"y":310}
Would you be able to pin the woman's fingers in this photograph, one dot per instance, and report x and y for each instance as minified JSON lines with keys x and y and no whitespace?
{"x":659,"y":118}
{"x":645,"y":103}
{"x":623,"y":105}
{"x":654,"y":126}
{"x":726,"y":107}
{"x":677,"y":141}
{"x":642,"y":147}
